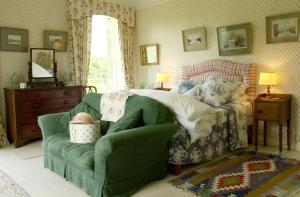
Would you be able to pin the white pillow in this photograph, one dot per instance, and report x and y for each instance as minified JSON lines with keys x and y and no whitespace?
{"x":183,"y":86}
{"x":195,"y":92}
{"x":239,"y":95}
{"x":218,"y":91}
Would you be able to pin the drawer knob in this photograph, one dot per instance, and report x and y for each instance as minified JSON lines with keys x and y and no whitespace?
{"x":259,"y":111}
{"x":67,"y":93}
{"x":36,"y":105}
{"x":66,"y":102}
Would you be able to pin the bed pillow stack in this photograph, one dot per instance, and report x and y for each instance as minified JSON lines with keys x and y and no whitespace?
{"x":219,"y":91}
{"x":190,"y":88}
{"x":215,"y":91}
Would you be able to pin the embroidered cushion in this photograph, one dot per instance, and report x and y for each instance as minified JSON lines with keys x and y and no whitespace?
{"x":128,"y":121}
{"x":84,"y":133}
{"x":218,"y":91}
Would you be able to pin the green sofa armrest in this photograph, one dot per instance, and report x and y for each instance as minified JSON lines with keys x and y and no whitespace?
{"x":54,"y":123}
{"x":124,"y":160}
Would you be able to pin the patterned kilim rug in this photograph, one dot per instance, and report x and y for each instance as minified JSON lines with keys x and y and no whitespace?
{"x":243,"y":174}
{"x":8,"y":188}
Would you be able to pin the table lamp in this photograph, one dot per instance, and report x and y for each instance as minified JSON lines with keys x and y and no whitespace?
{"x":162,"y":77}
{"x":267,"y":79}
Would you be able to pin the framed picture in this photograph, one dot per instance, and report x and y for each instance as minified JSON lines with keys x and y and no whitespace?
{"x":13,"y":39}
{"x":283,"y":28}
{"x":194,"y":39}
{"x":55,"y":40}
{"x":235,"y":39}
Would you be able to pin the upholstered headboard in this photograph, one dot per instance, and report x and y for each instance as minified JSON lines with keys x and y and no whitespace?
{"x":245,"y":73}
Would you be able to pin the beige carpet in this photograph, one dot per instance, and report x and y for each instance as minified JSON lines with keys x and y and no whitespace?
{"x":30,"y":174}
{"x":29,"y":151}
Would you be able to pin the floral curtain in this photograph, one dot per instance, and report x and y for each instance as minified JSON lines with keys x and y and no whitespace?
{"x":3,"y":138}
{"x":80,"y":42}
{"x":127,"y":41}
{"x":86,"y":8}
{"x":80,"y":14}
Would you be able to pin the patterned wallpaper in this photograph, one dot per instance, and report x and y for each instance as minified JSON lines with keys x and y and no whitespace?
{"x":36,"y":16}
{"x":164,"y":23}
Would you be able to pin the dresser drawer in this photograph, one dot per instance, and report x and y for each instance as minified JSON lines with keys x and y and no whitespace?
{"x":267,"y":111}
{"x":50,"y":94}
{"x":47,"y":106}
{"x":30,"y":131}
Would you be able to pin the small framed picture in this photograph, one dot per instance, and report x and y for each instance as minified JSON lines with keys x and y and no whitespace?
{"x":283,"y":28}
{"x":235,"y":39}
{"x":55,"y":40}
{"x":194,"y":39}
{"x":13,"y":39}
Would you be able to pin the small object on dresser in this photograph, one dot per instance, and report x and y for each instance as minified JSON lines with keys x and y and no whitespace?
{"x":275,"y":110}
{"x":23,"y":85}
{"x":14,"y":79}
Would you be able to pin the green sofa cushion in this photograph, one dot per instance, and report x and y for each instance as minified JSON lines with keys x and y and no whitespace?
{"x":81,"y":155}
{"x":55,"y":142}
{"x":128,"y":121}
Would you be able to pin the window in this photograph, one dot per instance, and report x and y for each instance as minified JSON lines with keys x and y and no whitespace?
{"x":106,"y":70}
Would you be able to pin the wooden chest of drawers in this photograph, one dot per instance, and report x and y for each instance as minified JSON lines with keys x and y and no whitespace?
{"x":23,"y":106}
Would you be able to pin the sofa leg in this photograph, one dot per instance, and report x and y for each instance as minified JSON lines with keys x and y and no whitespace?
{"x":175,"y":169}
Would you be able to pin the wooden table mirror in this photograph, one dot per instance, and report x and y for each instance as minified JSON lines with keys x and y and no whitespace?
{"x":42,"y":68}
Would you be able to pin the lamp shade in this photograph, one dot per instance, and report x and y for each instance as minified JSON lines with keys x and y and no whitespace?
{"x":267,"y":79}
{"x":162,"y":77}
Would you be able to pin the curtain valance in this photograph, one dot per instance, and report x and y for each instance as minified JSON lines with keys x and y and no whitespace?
{"x":78,"y":9}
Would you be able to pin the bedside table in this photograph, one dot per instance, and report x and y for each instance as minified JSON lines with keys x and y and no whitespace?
{"x":276,"y":109}
{"x":164,"y":89}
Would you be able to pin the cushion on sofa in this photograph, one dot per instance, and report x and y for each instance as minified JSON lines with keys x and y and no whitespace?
{"x":128,"y":121}
{"x":81,"y":155}
{"x":55,"y":142}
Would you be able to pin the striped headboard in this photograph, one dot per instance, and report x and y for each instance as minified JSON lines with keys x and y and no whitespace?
{"x":245,"y":73}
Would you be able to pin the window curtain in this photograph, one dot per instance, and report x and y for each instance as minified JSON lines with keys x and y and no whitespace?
{"x":3,"y":138}
{"x":81,"y":48}
{"x":127,"y":41}
{"x":79,"y":15}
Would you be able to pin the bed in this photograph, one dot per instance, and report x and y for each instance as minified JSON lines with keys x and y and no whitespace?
{"x":232,"y":121}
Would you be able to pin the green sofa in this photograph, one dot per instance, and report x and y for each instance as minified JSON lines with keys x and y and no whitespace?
{"x":120,"y":162}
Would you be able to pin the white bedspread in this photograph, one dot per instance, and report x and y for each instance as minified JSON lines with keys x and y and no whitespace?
{"x":195,"y":116}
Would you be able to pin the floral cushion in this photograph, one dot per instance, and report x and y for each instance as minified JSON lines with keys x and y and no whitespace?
{"x":218,"y":91}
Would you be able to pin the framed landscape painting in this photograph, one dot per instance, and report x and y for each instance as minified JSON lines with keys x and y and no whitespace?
{"x":235,"y":39}
{"x":55,"y":40}
{"x":13,"y":39}
{"x":283,"y":28}
{"x":194,"y":39}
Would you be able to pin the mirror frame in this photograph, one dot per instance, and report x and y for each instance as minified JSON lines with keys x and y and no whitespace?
{"x":143,"y":55}
{"x":34,"y":80}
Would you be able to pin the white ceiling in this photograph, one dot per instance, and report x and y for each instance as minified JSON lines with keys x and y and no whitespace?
{"x":139,"y":4}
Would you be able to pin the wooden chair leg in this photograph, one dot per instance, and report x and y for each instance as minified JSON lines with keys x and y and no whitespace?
{"x":288,"y":134}
{"x":265,"y":132}
{"x":280,"y":138}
